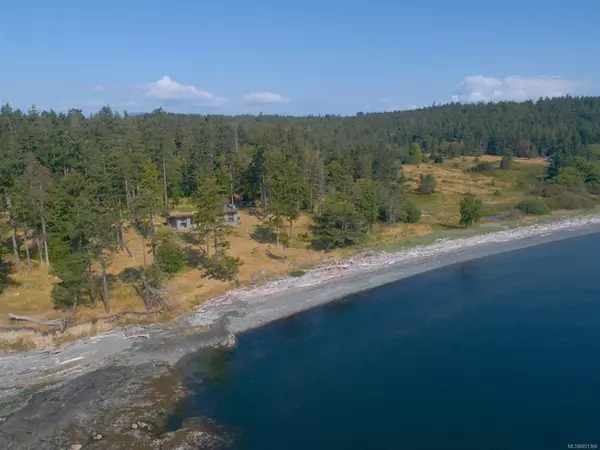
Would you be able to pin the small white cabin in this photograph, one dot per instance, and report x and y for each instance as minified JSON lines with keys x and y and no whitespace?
{"x":184,"y":221}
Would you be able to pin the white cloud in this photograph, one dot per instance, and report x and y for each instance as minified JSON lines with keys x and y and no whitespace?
{"x":478,"y":88}
{"x":261,"y":98}
{"x":408,"y":107}
{"x":170,"y":90}
{"x":165,"y":92}
{"x":391,"y":105}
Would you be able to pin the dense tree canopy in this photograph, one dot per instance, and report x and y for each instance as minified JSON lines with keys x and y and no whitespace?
{"x":70,"y":183}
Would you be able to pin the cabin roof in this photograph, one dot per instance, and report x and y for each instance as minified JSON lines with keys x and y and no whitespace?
{"x":180,"y":215}
{"x":184,"y":215}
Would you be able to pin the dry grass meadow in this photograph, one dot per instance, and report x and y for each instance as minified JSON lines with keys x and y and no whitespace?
{"x":30,"y":293}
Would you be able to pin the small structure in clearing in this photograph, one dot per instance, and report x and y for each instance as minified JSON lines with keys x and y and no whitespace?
{"x":184,"y":221}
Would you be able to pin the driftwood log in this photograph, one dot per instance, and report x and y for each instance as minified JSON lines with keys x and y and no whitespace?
{"x":61,"y":323}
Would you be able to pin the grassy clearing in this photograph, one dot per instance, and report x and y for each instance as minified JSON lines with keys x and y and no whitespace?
{"x":458,"y":233}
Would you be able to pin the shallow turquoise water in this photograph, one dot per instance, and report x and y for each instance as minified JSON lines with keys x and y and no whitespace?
{"x":499,"y":353}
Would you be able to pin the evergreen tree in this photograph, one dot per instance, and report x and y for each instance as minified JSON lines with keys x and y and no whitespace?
{"x":470,"y":209}
{"x":427,"y":184}
{"x":146,"y":204}
{"x":339,"y":225}
{"x":209,"y":216}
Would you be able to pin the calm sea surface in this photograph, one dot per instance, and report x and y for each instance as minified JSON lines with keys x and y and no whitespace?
{"x":499,"y":353}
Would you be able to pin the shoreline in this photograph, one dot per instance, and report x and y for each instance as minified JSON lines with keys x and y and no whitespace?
{"x":245,"y":309}
{"x":132,"y":360}
{"x":217,"y":321}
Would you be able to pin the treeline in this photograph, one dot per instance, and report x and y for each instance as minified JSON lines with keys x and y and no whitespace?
{"x":70,"y":185}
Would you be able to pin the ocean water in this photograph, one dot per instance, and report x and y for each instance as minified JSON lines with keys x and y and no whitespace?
{"x":498,"y":353}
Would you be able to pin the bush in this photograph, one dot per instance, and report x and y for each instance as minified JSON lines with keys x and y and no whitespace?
{"x":548,"y":190}
{"x":427,"y":184}
{"x":470,"y":209}
{"x":437,"y":158}
{"x":506,"y":161}
{"x":170,"y":257}
{"x":569,"y":201}
{"x":224,"y":267}
{"x":497,"y":193}
{"x":534,"y":206}
{"x":483,"y":167}
{"x":296,"y":273}
{"x":412,"y":213}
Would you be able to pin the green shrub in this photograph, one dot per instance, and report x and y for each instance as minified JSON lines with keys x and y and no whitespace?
{"x":296,"y":273}
{"x":412,"y":213}
{"x":427,"y":184}
{"x":224,"y":267}
{"x":497,"y":193}
{"x":470,"y":209}
{"x":170,"y":257}
{"x":483,"y":167}
{"x":548,"y":190}
{"x":506,"y":161}
{"x":569,"y":201}
{"x":437,"y":158}
{"x":533,"y":205}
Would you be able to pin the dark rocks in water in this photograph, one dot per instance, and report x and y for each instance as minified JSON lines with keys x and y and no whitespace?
{"x":96,"y":410}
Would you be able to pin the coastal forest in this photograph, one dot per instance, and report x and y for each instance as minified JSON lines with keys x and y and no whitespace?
{"x":76,"y":190}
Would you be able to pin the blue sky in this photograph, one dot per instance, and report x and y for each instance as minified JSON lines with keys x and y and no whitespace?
{"x":293,"y":57}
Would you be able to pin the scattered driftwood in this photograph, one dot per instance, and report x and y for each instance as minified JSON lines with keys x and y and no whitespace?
{"x":117,"y":316}
{"x":16,"y":329}
{"x":54,"y":351}
{"x":134,"y":336}
{"x":62,"y":323}
{"x":13,"y":386}
{"x":127,"y":334}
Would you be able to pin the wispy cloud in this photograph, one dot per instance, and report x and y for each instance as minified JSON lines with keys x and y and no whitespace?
{"x":390,"y":105}
{"x":263,"y":98}
{"x":170,"y":90}
{"x":401,"y":108}
{"x":478,"y":88}
{"x":147,"y":96}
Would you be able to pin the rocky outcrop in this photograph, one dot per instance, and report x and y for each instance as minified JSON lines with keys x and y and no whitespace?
{"x":116,"y":407}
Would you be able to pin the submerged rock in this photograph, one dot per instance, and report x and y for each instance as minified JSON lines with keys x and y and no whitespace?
{"x":110,"y":399}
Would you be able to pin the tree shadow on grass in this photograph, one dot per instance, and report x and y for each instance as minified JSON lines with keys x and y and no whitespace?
{"x":195,"y":257}
{"x":190,"y":238}
{"x":6,"y":269}
{"x":263,"y":235}
{"x":273,"y":256}
{"x":451,"y":226}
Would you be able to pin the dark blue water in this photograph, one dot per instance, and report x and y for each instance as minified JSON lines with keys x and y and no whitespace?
{"x":499,"y":353}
